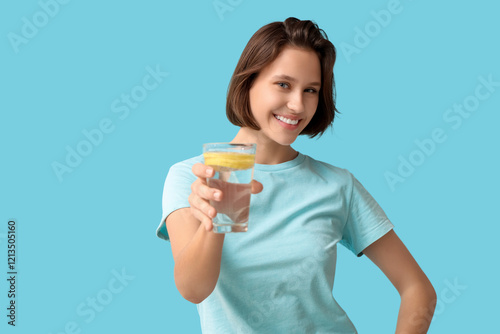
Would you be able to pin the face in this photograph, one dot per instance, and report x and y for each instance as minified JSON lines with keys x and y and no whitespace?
{"x":285,"y":95}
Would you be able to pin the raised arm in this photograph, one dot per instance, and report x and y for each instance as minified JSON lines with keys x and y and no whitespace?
{"x":196,"y":249}
{"x":418,"y":298}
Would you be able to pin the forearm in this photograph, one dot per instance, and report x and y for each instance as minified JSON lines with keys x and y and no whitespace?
{"x":416,"y":310}
{"x":197,"y":267}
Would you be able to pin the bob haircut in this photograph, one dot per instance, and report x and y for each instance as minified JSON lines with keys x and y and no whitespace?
{"x":262,"y":49}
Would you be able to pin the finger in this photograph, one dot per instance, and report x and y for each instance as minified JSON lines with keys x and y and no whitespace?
{"x":202,"y":205}
{"x":202,"y":171}
{"x":204,"y":220}
{"x":202,"y":190}
{"x":257,"y":187}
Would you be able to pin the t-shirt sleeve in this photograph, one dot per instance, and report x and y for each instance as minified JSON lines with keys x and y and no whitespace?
{"x":176,"y":191}
{"x":366,"y":221}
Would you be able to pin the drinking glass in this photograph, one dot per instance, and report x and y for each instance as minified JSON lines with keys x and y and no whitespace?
{"x":233,"y":165}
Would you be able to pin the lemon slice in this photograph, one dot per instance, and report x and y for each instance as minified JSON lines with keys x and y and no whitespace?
{"x":229,"y":160}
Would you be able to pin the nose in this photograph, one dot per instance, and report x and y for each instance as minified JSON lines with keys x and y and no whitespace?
{"x":296,"y":102}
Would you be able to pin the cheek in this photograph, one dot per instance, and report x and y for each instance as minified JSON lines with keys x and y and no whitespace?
{"x":311,"y":107}
{"x":313,"y":103}
{"x":261,"y":102}
{"x":255,"y":97}
{"x":271,"y":103}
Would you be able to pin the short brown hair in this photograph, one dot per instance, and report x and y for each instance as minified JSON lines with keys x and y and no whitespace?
{"x":262,"y":49}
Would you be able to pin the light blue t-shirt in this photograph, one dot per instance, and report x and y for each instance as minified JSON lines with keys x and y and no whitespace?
{"x":278,"y":277}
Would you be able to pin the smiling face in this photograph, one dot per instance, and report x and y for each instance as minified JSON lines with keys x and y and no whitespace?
{"x":285,"y":95}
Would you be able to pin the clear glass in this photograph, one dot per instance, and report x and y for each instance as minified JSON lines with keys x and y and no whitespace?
{"x":233,"y":165}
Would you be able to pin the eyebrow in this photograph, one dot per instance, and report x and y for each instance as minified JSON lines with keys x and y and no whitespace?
{"x":289,"y":78}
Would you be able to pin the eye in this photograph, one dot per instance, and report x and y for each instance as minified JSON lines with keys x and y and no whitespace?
{"x":311,"y":90}
{"x":283,"y":85}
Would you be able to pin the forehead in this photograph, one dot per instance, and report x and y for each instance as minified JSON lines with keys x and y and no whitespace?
{"x":301,"y":64}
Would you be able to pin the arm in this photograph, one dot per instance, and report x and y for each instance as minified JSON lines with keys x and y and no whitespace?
{"x":197,"y":255}
{"x":418,"y":298}
{"x":196,"y":249}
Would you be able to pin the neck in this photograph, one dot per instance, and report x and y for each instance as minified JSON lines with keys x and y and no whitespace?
{"x":268,"y":152}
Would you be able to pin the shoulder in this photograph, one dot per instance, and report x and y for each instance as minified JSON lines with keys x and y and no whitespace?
{"x":186,"y":164}
{"x":180,"y":172}
{"x":328,"y":170}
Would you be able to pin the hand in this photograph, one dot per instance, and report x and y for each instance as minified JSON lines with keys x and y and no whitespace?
{"x":201,"y":194}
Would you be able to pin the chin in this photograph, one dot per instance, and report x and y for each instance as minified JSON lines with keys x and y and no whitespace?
{"x":286,"y":141}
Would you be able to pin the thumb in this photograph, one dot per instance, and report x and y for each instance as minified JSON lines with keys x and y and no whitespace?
{"x":256,"y":187}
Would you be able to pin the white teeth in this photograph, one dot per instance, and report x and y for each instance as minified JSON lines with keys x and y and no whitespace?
{"x":286,"y":120}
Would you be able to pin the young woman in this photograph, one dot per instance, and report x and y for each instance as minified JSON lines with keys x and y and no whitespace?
{"x":278,"y":276}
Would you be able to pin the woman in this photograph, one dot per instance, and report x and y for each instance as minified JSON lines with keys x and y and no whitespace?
{"x":278,"y":276}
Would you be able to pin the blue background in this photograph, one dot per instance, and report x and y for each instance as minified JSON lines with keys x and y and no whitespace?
{"x":76,"y":232}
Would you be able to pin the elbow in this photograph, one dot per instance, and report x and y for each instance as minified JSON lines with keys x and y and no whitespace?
{"x":431,"y":294}
{"x":193,"y":298}
{"x":192,"y":295}
{"x":428,"y":291}
{"x":422,"y":291}
{"x":197,"y":300}
{"x":192,"y":289}
{"x":429,"y":297}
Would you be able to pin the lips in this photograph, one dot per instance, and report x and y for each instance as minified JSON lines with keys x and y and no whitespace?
{"x":291,"y":123}
{"x":287,"y":120}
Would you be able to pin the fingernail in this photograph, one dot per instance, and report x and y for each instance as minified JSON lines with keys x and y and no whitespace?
{"x":217,"y":195}
{"x":212,"y":213}
{"x":209,"y":171}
